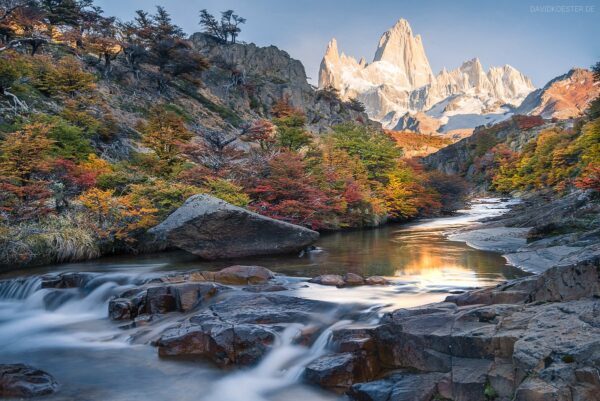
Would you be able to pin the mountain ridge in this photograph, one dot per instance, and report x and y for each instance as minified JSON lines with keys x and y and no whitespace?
{"x":400,"y":81}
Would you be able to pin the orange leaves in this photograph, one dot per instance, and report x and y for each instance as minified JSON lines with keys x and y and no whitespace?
{"x":263,"y":132}
{"x":528,"y":122}
{"x":290,"y":193}
{"x":405,"y":197}
{"x":589,"y":177}
{"x":23,"y":160}
{"x":283,"y":108}
{"x":118,"y":217}
{"x":164,"y":132}
{"x":102,"y":203}
{"x":66,"y":77}
{"x":24,"y":152}
{"x":557,"y":158}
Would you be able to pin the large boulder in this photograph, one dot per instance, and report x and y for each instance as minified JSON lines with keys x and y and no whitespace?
{"x":212,"y":228}
{"x":22,"y":381}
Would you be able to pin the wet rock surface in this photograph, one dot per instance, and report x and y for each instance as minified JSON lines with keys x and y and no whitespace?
{"x":23,"y":381}
{"x":238,"y":330}
{"x":399,"y":386}
{"x":532,"y":339}
{"x":212,"y":228}
{"x":184,"y":292}
{"x":347,"y":280}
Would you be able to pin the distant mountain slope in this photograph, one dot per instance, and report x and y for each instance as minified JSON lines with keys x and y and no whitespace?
{"x":566,"y":96}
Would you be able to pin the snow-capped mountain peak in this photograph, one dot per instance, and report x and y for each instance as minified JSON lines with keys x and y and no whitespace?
{"x":399,"y":83}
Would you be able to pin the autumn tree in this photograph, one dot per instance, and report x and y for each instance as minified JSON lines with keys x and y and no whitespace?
{"x":69,"y":178}
{"x":290,"y":193}
{"x":66,"y":78}
{"x":164,"y":133}
{"x":290,"y":123}
{"x":217,"y":151}
{"x":345,"y":181}
{"x":406,"y":193}
{"x":102,"y":40}
{"x":18,"y":20}
{"x":23,"y":156}
{"x":262,"y":132}
{"x":376,"y":150}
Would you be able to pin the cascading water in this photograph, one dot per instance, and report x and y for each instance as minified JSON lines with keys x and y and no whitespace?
{"x":279,"y":369}
{"x":33,"y":317}
{"x":64,"y":328}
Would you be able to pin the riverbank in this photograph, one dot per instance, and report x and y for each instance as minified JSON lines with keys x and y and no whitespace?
{"x":541,"y":231}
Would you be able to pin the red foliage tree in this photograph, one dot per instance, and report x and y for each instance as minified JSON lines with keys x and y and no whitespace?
{"x":290,"y":193}
{"x":528,"y":122}
{"x":589,"y":178}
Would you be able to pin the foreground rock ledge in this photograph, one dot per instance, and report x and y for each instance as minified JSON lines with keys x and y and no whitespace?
{"x":212,"y":228}
{"x":22,"y":381}
{"x":531,"y":339}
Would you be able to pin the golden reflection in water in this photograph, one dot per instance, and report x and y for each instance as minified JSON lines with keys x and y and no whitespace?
{"x":430,"y":266}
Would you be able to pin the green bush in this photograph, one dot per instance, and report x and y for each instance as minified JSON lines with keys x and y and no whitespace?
{"x":70,"y":142}
{"x":375,"y":149}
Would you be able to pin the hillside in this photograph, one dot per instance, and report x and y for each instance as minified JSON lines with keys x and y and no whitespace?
{"x":108,"y":127}
{"x":418,"y":145}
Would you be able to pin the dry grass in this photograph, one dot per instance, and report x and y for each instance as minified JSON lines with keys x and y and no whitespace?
{"x":56,"y":239}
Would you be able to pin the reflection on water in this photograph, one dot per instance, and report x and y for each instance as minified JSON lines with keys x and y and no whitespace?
{"x":67,"y":333}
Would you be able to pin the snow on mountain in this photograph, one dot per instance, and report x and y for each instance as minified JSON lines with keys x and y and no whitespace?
{"x":399,"y":83}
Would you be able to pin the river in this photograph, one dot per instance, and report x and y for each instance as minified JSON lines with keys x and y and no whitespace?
{"x":67,"y":333}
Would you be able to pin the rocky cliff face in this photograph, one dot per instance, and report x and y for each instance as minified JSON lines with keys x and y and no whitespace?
{"x":249,"y":79}
{"x":566,"y":96}
{"x":399,"y":83}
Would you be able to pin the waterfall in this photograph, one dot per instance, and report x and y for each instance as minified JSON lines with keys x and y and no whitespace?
{"x":19,"y":288}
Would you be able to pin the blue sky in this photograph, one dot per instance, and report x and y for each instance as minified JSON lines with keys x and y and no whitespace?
{"x":540,"y":42}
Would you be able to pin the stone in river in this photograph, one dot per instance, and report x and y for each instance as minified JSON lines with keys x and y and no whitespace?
{"x":353,"y":279}
{"x":243,"y":275}
{"x":238,"y":330}
{"x":329,"y":279}
{"x":212,"y":228}
{"x":376,"y":280}
{"x":22,"y":381}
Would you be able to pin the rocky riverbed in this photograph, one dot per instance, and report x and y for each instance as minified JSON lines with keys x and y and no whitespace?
{"x":248,"y":333}
{"x":535,"y":338}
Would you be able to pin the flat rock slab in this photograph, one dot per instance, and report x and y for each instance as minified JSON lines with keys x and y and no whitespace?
{"x":540,"y":260}
{"x":398,"y":387}
{"x":22,"y":381}
{"x":212,"y":228}
{"x":498,"y":239}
